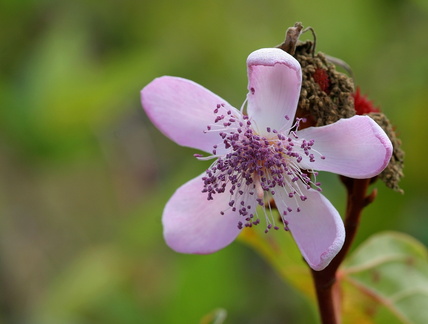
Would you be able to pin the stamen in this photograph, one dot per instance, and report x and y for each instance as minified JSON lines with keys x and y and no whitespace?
{"x":254,"y":168}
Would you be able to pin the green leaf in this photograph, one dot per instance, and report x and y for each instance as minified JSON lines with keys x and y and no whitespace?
{"x":386,"y":281}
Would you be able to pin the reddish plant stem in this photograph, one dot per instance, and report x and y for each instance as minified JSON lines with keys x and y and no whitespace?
{"x":324,"y":283}
{"x":327,"y":291}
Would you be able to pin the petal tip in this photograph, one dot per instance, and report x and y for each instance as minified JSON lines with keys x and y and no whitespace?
{"x":384,"y":141}
{"x":272,"y":56}
{"x":332,"y":250}
{"x":387,"y":144}
{"x":326,"y":257}
{"x":330,"y":254}
{"x":194,"y":225}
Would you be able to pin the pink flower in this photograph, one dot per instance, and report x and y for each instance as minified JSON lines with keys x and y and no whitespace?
{"x":259,"y":156}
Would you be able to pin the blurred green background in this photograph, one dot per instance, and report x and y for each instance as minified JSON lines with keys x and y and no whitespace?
{"x":85,"y":176}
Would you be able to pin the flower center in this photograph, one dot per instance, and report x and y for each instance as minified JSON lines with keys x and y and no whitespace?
{"x":253,"y":167}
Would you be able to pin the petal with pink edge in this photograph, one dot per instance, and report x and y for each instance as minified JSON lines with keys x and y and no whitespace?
{"x":317,"y":228}
{"x":274,"y":81}
{"x":193,"y":224}
{"x":356,"y":147}
{"x":182,"y":110}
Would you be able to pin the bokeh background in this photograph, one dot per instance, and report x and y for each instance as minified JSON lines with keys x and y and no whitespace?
{"x":84,"y":175}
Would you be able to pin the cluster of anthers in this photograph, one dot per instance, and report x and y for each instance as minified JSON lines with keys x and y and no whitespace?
{"x":249,"y":164}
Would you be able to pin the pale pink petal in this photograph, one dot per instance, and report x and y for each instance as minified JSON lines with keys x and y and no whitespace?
{"x":356,"y":147}
{"x":193,"y":224}
{"x":182,"y":110}
{"x":317,"y":228}
{"x":274,"y":81}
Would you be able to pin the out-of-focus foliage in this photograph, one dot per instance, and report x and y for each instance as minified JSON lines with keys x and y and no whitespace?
{"x":386,"y":281}
{"x":84,"y":175}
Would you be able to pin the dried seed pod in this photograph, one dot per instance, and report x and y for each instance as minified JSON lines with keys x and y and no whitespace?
{"x":328,"y":95}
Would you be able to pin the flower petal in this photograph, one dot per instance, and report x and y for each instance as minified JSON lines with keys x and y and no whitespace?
{"x":317,"y":228}
{"x":193,"y":224}
{"x":274,"y":81}
{"x":356,"y":147}
{"x":182,"y":110}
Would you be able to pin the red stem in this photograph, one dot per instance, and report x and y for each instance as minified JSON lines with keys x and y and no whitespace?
{"x":327,"y":291}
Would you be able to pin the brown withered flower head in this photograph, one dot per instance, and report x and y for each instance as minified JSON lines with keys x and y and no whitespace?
{"x":328,"y":95}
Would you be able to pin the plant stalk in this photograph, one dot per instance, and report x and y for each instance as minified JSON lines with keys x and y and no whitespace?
{"x":325,"y":281}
